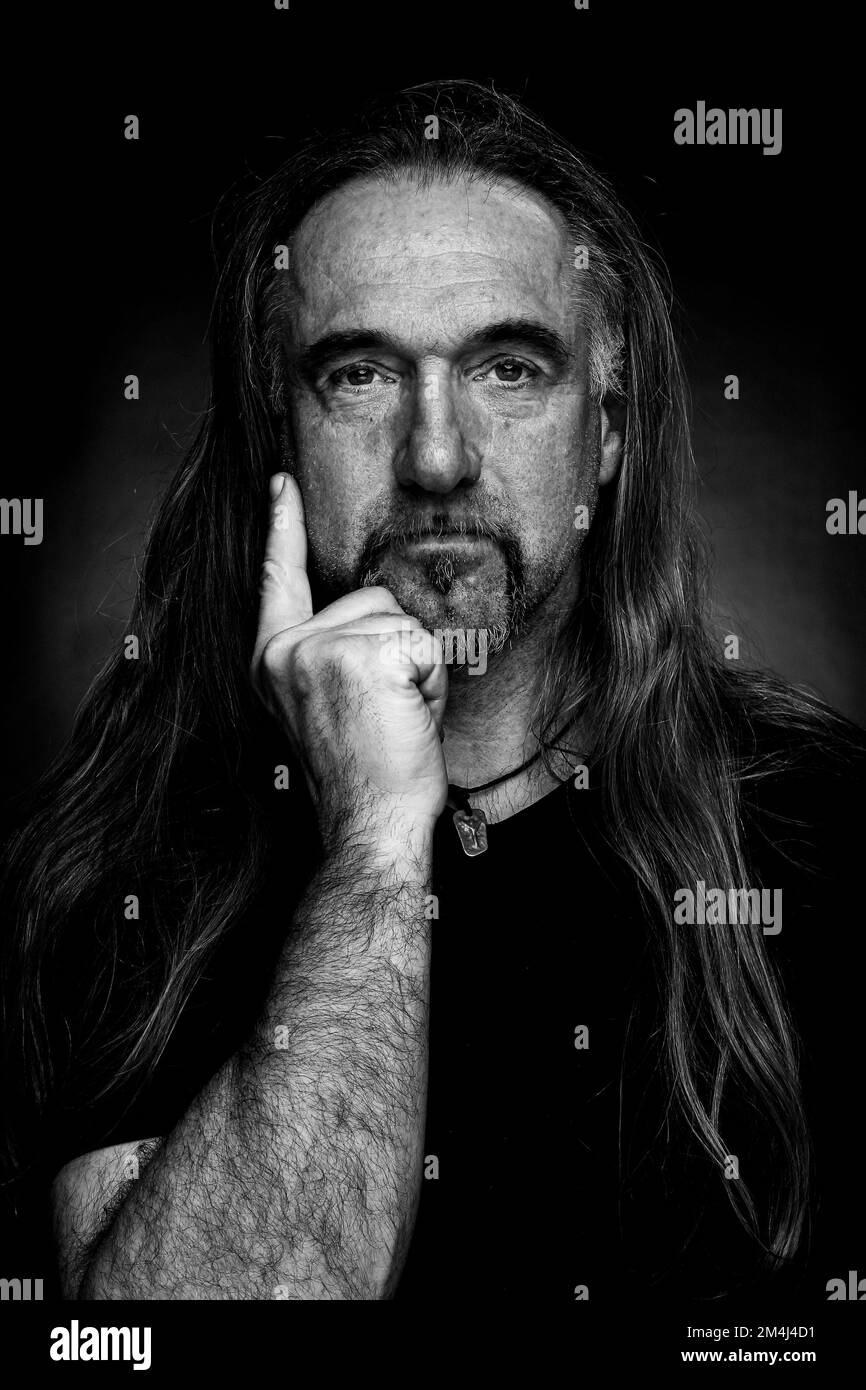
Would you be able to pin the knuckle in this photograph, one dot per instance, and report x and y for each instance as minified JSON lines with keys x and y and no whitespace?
{"x":427,"y":649}
{"x":273,"y":658}
{"x":384,"y":598}
{"x":286,"y":669}
{"x":300,"y":662}
{"x":411,"y":642}
{"x":284,"y":663}
{"x":272,"y":578}
{"x":345,"y":657}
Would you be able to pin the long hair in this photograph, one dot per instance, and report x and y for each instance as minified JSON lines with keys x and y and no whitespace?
{"x":171,"y":742}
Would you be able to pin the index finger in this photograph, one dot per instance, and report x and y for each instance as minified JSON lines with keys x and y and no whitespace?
{"x":286,"y":600}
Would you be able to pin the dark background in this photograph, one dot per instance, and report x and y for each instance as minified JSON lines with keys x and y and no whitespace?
{"x":108,"y":272}
{"x":111,"y":274}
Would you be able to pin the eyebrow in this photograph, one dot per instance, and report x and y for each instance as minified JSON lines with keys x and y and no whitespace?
{"x":309,"y":360}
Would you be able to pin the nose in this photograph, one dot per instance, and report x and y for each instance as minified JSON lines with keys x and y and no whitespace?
{"x":437,"y":455}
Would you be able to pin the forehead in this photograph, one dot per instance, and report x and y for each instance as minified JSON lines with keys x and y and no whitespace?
{"x":393,"y":255}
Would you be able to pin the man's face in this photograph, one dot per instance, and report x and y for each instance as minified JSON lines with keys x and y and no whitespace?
{"x":441,"y":429}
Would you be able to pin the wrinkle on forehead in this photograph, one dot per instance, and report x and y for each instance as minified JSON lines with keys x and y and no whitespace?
{"x":485,"y":241}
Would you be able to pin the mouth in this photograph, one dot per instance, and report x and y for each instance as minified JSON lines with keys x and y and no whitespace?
{"x":457,"y":542}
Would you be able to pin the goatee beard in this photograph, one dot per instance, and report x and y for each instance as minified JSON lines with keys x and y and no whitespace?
{"x":439,"y":573}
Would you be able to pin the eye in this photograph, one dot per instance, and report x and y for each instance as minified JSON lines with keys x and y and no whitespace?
{"x":511,"y":372}
{"x":356,"y":376}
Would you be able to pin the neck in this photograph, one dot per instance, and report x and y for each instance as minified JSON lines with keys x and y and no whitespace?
{"x":487,"y":726}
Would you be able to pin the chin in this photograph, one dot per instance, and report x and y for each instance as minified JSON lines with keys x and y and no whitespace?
{"x":485,"y":628}
{"x":452,"y":610}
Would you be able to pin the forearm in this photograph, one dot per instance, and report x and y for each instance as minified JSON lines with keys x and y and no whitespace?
{"x":295,"y":1173}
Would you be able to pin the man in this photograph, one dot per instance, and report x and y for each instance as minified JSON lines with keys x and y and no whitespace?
{"x":395,"y":926}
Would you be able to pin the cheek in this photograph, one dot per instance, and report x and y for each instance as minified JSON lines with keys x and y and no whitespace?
{"x":340,"y":472}
{"x":547,"y":473}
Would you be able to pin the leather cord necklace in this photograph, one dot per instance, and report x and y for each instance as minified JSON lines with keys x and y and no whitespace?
{"x":471,"y":823}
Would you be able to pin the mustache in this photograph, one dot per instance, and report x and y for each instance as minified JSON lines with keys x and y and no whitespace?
{"x":396,"y":531}
{"x":393,"y":520}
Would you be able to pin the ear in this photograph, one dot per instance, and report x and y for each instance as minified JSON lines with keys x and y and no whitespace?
{"x":612,"y":416}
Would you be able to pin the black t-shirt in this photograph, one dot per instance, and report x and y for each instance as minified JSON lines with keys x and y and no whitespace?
{"x":553,"y":1158}
{"x":560,"y":1163}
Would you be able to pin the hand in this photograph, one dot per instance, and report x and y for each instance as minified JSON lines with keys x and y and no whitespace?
{"x":360,"y":689}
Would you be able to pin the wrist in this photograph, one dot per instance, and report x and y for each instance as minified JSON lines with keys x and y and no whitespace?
{"x":390,"y":843}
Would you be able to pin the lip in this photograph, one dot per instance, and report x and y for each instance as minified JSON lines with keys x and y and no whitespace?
{"x":454,"y":540}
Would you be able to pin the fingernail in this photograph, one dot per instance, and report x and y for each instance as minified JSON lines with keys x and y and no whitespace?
{"x":276,"y":485}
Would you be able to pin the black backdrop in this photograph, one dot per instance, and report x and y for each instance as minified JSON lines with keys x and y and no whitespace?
{"x":109,"y":273}
{"x":114,"y":271}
